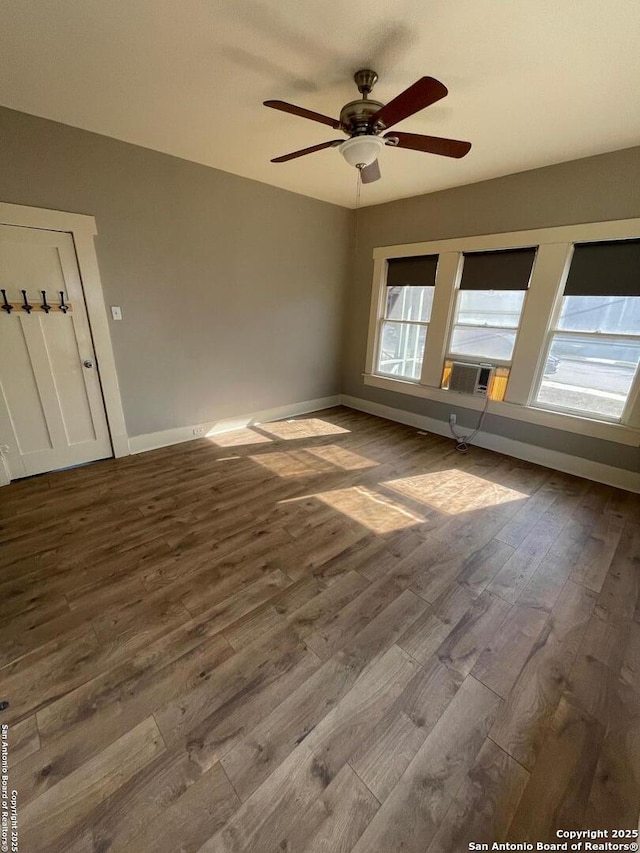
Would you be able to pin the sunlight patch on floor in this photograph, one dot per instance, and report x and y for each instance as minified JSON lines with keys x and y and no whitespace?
{"x":238,"y":437}
{"x":454,"y":491}
{"x":307,"y":428}
{"x":371,"y":509}
{"x":342,"y":458}
{"x":292,"y":463}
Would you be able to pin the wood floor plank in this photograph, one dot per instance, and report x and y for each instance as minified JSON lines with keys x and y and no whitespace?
{"x":335,"y":820}
{"x":593,"y":564}
{"x":472,"y":634}
{"x":557,"y":792}
{"x":620,"y":592}
{"x":34,"y":680}
{"x":410,"y":817}
{"x":381,"y":759}
{"x":522,"y":725}
{"x":211,"y":798}
{"x":548,"y":581}
{"x":522,"y":565}
{"x":484,"y":806}
{"x":130,"y":810}
{"x":23,"y":740}
{"x":500,"y":664}
{"x":522,"y":523}
{"x":263,"y":821}
{"x":278,"y":734}
{"x":426,"y":635}
{"x":67,"y":803}
{"x":614,"y":799}
{"x":355,"y":616}
{"x":83,"y":722}
{"x":328,"y":634}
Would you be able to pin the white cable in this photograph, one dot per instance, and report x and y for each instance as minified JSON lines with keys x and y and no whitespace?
{"x":463,"y":442}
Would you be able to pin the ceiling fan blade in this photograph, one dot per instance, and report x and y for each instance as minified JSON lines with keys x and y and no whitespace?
{"x":423,"y":93}
{"x":370,"y":173}
{"x":300,"y":111}
{"x":303,"y":151}
{"x":431,"y":144}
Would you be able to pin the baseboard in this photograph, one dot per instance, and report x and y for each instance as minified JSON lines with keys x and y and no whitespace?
{"x":554,"y":459}
{"x":164,"y":438}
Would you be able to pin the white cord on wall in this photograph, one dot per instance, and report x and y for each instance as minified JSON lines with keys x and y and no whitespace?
{"x":463,"y":442}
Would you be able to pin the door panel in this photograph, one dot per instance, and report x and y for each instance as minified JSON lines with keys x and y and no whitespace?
{"x":20,"y":389}
{"x":51,"y":408}
{"x":67,"y":371}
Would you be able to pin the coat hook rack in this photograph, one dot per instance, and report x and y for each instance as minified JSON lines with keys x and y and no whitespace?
{"x":63,"y":306}
{"x":7,"y":305}
{"x":45,"y":305}
{"x":25,"y":303}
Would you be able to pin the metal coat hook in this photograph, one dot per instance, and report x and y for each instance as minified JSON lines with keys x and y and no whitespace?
{"x":7,"y":306}
{"x":45,"y":305}
{"x":25,"y":303}
{"x":63,"y":307}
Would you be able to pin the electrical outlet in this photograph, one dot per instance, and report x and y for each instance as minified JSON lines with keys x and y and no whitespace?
{"x":452,"y":420}
{"x":199,"y":431}
{"x":116,"y":312}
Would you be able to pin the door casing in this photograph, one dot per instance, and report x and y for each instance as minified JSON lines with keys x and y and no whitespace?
{"x":83,"y":230}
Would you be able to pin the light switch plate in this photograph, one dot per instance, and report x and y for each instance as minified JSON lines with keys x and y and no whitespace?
{"x":116,"y":312}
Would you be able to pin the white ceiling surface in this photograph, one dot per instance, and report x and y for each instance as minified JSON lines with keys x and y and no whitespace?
{"x":531,"y":82}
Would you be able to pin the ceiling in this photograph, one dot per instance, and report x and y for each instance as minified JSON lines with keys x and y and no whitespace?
{"x":531,"y":82}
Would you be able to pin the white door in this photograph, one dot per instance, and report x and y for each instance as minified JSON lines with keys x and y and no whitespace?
{"x":51,"y":408}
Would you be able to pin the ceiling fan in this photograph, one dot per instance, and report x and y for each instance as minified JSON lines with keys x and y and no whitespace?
{"x":365,"y":121}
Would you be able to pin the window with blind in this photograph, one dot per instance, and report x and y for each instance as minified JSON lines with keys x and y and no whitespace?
{"x":593,"y":347}
{"x":408,"y":300}
{"x":489,"y":304}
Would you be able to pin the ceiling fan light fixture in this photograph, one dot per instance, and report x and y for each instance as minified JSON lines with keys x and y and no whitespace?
{"x":360,"y":151}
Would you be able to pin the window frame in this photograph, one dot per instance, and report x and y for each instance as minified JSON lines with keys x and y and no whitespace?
{"x":552,"y":331}
{"x":384,"y":319}
{"x":542,"y":302}
{"x":474,"y":359}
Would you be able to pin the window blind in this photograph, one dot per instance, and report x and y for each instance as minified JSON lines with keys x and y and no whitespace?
{"x":503,"y":270}
{"x":605,"y":269}
{"x":418,"y":271}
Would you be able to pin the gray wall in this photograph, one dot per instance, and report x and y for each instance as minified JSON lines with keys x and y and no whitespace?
{"x":590,"y":190}
{"x":236,"y":295}
{"x":232,"y":291}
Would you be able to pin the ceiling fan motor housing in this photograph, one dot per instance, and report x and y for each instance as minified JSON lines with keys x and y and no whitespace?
{"x":355,"y":117}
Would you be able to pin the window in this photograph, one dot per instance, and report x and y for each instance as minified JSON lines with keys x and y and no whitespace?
{"x":489,"y":304}
{"x":408,"y":300}
{"x":555,"y":311}
{"x":593,"y":350}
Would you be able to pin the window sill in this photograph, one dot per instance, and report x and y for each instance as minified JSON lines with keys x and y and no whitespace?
{"x":620,"y":433}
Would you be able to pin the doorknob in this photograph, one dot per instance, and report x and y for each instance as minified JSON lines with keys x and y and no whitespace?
{"x":88,"y":362}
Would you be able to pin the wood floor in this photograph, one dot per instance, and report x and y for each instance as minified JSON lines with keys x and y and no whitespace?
{"x":326,"y":635}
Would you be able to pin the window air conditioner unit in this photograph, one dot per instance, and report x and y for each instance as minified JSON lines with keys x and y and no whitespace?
{"x":470,"y":378}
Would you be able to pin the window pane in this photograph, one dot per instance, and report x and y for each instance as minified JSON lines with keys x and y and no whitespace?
{"x":616,"y":314}
{"x":490,"y":307}
{"x":483,"y":343}
{"x":402,"y":349}
{"x":589,"y":375}
{"x":409,"y":303}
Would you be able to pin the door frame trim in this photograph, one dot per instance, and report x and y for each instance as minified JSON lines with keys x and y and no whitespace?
{"x":83,"y":230}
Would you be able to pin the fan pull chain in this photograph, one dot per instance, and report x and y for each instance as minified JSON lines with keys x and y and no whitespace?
{"x":358,"y":189}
